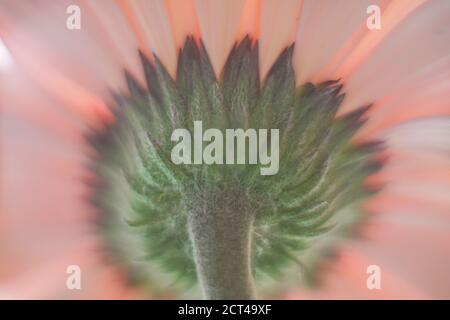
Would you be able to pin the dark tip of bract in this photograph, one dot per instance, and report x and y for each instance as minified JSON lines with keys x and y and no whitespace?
{"x":151,"y":76}
{"x":335,"y":90}
{"x":328,"y":83}
{"x":373,"y":146}
{"x":189,"y":49}
{"x":308,"y":89}
{"x":134,"y":87}
{"x":357,"y":115}
{"x":282,"y":67}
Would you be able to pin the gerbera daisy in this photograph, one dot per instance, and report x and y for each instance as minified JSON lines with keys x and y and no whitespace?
{"x":87,"y":179}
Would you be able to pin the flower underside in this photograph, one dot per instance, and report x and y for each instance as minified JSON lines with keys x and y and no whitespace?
{"x":172,"y":223}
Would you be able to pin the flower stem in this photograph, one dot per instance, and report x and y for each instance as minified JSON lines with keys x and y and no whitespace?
{"x":220,"y":225}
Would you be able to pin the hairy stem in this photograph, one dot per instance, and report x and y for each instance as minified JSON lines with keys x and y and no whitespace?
{"x":220,"y":225}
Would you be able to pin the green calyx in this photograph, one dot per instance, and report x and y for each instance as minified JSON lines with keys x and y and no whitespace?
{"x":172,"y":224}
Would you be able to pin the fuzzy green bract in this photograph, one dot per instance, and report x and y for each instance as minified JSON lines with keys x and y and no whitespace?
{"x":300,"y":213}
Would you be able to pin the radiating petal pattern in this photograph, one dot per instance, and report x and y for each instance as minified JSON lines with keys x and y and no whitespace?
{"x":56,"y":84}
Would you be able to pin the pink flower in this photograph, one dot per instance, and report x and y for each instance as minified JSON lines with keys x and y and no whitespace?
{"x":55,"y":85}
